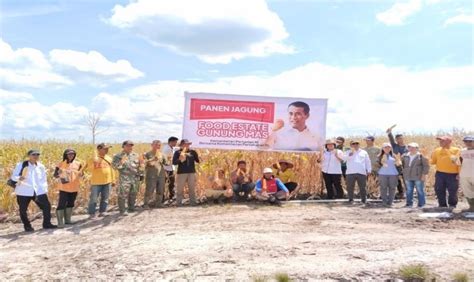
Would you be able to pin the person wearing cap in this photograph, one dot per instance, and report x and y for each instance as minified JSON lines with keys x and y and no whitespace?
{"x":155,"y":175}
{"x":271,"y":189}
{"x":129,"y":165}
{"x":168,"y":151}
{"x":340,"y":146}
{"x":103,"y":178}
{"x":284,"y":171}
{"x":358,"y":167}
{"x":387,"y":169}
{"x":221,"y":188}
{"x":446,"y":160}
{"x":186,"y":158}
{"x":415,"y":169}
{"x":373,"y":152}
{"x":399,"y":148}
{"x":331,"y":159}
{"x":242,"y":181}
{"x":68,"y":172}
{"x":467,"y":172}
{"x":32,"y":185}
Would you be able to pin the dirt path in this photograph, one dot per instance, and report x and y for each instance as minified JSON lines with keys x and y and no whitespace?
{"x":313,"y":242}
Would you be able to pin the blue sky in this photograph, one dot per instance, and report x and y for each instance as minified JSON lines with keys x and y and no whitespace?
{"x":367,"y":57}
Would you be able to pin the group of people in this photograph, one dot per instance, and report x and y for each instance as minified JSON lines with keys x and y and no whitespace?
{"x":392,"y":166}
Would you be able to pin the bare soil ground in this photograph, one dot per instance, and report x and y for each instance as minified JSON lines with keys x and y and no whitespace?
{"x":240,"y":243}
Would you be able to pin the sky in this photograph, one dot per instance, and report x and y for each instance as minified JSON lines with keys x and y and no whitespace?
{"x":378,"y":62}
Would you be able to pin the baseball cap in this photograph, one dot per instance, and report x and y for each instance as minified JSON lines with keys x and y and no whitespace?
{"x":468,"y":138}
{"x":444,"y":138}
{"x":354,"y":142}
{"x":340,"y":138}
{"x":127,"y":142}
{"x":386,"y":145}
{"x":33,"y":152}
{"x":267,"y":170}
{"x":103,"y":145}
{"x":185,"y":141}
{"x":370,"y":138}
{"x":413,"y":145}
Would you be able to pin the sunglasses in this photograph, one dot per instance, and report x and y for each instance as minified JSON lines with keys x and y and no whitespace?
{"x":130,"y":145}
{"x":34,"y":154}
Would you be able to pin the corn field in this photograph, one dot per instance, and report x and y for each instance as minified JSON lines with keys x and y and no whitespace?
{"x":307,"y":170}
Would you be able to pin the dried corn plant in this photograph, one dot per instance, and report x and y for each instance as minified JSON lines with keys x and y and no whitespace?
{"x":307,"y":170}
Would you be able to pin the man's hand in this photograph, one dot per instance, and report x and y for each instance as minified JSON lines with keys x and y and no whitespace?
{"x":114,"y":184}
{"x":389,"y":130}
{"x":287,"y":195}
{"x":182,"y":158}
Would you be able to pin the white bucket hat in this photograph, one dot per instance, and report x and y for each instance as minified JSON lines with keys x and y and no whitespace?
{"x":413,"y":145}
{"x":267,"y":170}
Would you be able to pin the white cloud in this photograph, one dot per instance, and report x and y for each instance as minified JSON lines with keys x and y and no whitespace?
{"x":399,"y":12}
{"x":95,"y":64}
{"x":29,"y":67}
{"x":213,"y":30}
{"x":366,"y":98}
{"x":461,"y":18}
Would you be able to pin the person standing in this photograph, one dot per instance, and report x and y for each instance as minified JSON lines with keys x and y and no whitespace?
{"x":415,"y":169}
{"x":340,"y":146}
{"x":358,"y":166}
{"x":103,"y":178}
{"x":127,"y":163}
{"x":388,"y":173}
{"x":155,"y":174}
{"x":373,"y":151}
{"x":331,"y":159}
{"x":168,"y":151}
{"x":31,"y":185}
{"x":399,"y":148}
{"x":467,"y":172}
{"x":446,"y":160}
{"x":69,"y":172}
{"x":186,"y":158}
{"x":242,"y":181}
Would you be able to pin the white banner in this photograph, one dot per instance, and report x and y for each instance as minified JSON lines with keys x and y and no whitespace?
{"x":222,"y":121}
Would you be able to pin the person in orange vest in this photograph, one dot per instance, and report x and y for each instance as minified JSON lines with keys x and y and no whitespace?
{"x":271,"y":189}
{"x":69,"y":173}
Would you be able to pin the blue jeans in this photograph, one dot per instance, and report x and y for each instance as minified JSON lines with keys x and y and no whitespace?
{"x":104,"y":191}
{"x":420,"y":191}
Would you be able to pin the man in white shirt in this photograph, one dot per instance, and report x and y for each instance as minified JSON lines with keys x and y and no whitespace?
{"x":32,"y":185}
{"x":358,"y":167}
{"x":168,"y":151}
{"x":296,"y":136}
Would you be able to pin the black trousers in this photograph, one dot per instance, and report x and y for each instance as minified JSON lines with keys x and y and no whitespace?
{"x":41,"y":201}
{"x":333,"y":184}
{"x":291,"y":186}
{"x":171,"y":184}
{"x":66,"y":200}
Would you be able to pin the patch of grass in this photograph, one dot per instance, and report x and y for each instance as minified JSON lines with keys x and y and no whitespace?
{"x":414,"y":272}
{"x":282,"y":277}
{"x":461,"y":277}
{"x":259,"y":278}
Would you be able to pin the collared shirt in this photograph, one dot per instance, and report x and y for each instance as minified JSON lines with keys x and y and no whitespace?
{"x":189,"y":165}
{"x":358,"y":163}
{"x":467,"y":168}
{"x":389,"y":167}
{"x":168,"y":152}
{"x":101,"y":170}
{"x":330,"y":163}
{"x":446,"y":160}
{"x":292,"y":139}
{"x":35,"y":181}
{"x":374,"y":153}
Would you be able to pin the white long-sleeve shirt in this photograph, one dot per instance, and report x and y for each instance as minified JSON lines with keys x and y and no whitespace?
{"x":35,"y":181}
{"x":358,"y":163}
{"x":331,"y":164}
{"x":168,"y":152}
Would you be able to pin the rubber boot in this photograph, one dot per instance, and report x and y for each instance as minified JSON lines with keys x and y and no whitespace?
{"x":132,"y":198}
{"x":60,"y":218}
{"x":121,"y":205}
{"x":67,"y":216}
{"x":470,"y":201}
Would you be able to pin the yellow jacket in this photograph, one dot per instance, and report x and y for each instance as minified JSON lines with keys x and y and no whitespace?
{"x":446,"y":160}
{"x":101,"y":170}
{"x":71,"y":171}
{"x":286,"y":176}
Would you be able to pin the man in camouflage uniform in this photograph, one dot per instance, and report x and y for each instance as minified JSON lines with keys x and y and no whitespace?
{"x":127,"y":163}
{"x":155,"y":174}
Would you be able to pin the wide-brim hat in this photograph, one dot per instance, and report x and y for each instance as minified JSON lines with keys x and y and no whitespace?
{"x":287,"y":162}
{"x":330,"y":141}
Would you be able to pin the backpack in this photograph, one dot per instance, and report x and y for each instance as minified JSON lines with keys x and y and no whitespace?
{"x":13,"y":183}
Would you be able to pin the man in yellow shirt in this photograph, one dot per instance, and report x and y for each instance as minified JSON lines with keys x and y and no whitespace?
{"x":102,"y":179}
{"x":284,"y":171}
{"x":446,"y":160}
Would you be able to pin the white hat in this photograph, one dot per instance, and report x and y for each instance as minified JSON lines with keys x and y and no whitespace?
{"x":413,"y":145}
{"x":386,"y":145}
{"x":267,"y":170}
